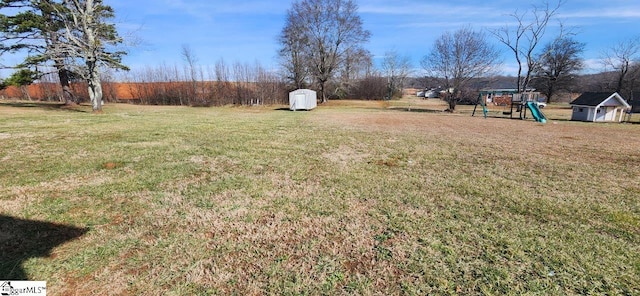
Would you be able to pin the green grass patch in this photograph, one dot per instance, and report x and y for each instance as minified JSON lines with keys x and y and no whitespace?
{"x":363,"y":199}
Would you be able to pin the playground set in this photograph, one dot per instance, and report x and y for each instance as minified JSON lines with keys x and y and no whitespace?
{"x":512,"y":102}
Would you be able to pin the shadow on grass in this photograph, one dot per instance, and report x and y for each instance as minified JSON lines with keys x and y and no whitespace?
{"x":44,"y":106}
{"x":287,"y":109}
{"x":418,"y":110}
{"x":22,"y":239}
{"x":528,"y":118}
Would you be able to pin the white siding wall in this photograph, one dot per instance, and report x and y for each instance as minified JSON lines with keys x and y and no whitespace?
{"x":302,"y":99}
{"x":582,"y":114}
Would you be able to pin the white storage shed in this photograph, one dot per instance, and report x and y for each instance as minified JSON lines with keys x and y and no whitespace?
{"x":599,"y":107}
{"x":302,"y":99}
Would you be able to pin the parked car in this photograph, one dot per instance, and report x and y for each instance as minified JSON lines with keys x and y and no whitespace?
{"x":432,"y":94}
{"x":420,"y":94}
{"x":541,"y":105}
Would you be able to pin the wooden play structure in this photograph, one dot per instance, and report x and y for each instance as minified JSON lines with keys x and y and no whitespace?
{"x":511,"y":101}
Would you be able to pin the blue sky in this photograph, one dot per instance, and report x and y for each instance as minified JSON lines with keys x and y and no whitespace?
{"x":246,"y":31}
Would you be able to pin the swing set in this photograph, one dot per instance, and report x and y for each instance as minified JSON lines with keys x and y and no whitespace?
{"x":511,"y":102}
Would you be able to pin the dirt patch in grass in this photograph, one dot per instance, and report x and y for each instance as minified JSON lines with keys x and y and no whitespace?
{"x":527,"y":135}
{"x":344,"y":155}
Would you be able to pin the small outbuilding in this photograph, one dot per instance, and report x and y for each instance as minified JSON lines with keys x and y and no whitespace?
{"x":302,"y":99}
{"x":599,"y":107}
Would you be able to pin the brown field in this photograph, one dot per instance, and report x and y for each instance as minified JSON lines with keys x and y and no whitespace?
{"x":354,"y":197}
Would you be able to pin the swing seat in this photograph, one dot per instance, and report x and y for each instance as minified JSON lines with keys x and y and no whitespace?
{"x":506,"y":112}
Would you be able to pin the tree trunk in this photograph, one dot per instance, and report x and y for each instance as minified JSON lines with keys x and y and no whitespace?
{"x":322,"y":91}
{"x":67,"y":95}
{"x":94,"y":86}
{"x":550,"y":90}
{"x":25,"y":92}
{"x":95,"y":93}
{"x":91,"y":60}
{"x":623,"y":73}
{"x":452,"y":97}
{"x":452,"y":101}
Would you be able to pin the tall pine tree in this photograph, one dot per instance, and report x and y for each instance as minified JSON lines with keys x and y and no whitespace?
{"x":72,"y":36}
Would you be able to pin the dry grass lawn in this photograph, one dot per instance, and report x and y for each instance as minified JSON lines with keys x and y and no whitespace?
{"x":350,"y":198}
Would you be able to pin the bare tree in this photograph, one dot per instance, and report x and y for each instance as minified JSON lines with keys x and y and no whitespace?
{"x":325,"y":30}
{"x":557,"y":64}
{"x":292,"y":52}
{"x":397,"y":68}
{"x":623,"y":58}
{"x":223,"y":86}
{"x":523,"y":40}
{"x":189,"y":56}
{"x":372,"y":87}
{"x":354,"y":66}
{"x":458,"y":58}
{"x":86,"y":36}
{"x":269,"y":87}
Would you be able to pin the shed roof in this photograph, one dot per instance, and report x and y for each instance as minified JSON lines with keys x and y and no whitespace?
{"x":596,"y":98}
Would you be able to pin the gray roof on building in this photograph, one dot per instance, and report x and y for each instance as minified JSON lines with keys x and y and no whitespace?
{"x":591,"y":98}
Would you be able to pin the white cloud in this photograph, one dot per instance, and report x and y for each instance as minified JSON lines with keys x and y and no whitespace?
{"x":247,"y":30}
{"x":607,"y":12}
{"x":593,"y":65}
{"x":426,"y":10}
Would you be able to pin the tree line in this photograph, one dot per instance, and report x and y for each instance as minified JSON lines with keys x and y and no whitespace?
{"x":321,"y":46}
{"x":59,"y":35}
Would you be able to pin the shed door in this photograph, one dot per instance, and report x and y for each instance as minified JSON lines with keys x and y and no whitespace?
{"x":600,"y":115}
{"x":610,"y":115}
{"x":299,"y":101}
